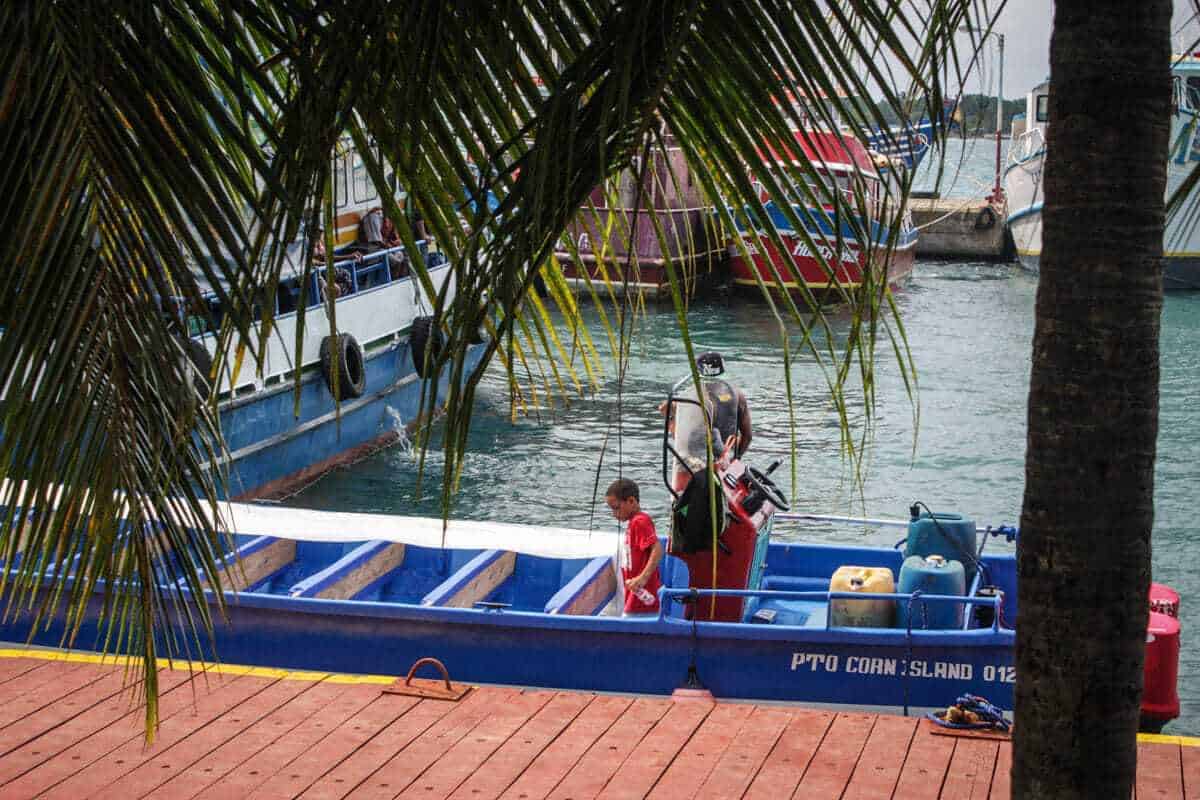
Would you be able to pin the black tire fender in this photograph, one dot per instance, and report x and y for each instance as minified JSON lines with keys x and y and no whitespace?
{"x":201,"y":363}
{"x":985,"y":219}
{"x":425,"y":342}
{"x":351,"y":366}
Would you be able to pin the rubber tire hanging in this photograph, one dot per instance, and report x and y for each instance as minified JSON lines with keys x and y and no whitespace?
{"x":424,"y":338}
{"x":201,"y":363}
{"x":352,"y":369}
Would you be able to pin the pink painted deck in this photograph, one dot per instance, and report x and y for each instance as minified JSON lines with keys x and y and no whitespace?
{"x":71,"y":728}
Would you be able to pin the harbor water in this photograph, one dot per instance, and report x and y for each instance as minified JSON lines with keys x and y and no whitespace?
{"x":957,"y":444}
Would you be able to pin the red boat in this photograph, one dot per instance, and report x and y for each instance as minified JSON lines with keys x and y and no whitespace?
{"x":836,"y":232}
{"x":623,"y":240}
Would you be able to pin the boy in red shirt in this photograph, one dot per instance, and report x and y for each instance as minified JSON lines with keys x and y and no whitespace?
{"x":641,"y":551}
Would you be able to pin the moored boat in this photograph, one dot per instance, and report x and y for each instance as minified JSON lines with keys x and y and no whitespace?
{"x":749,"y":617}
{"x":385,"y":322}
{"x":907,"y":144}
{"x":881,"y":237}
{"x":1027,"y":156}
{"x":623,"y":237}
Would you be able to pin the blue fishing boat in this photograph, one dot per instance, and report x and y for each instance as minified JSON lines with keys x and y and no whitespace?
{"x":385,"y":323}
{"x":745,"y":616}
{"x":907,"y":143}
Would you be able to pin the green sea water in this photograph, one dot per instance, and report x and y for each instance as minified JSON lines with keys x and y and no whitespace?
{"x":957,"y":443}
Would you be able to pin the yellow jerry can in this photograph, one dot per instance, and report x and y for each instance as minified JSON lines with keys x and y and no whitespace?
{"x":869,"y":613}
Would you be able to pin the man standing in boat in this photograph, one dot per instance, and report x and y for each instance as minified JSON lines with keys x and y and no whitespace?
{"x":728,"y":406}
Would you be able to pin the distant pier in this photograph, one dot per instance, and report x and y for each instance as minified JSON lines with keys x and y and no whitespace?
{"x":959,"y":228}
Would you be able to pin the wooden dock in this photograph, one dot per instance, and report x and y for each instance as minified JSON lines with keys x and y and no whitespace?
{"x":69,"y":730}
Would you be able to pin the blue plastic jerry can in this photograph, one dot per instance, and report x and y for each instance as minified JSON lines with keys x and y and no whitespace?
{"x":931,"y":574}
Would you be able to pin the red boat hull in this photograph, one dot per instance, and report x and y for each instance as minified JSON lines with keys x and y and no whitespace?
{"x":808,"y":273}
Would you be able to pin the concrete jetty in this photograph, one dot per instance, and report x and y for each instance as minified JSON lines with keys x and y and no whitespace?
{"x":960,"y":228}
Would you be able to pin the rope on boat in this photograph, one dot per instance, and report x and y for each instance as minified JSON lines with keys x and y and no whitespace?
{"x":971,"y":712}
{"x":958,"y":210}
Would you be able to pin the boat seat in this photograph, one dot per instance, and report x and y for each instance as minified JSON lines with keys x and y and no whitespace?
{"x":352,"y":573}
{"x":255,"y":561}
{"x":674,"y":574}
{"x":794,"y":583}
{"x":778,"y":611}
{"x":477,"y":579}
{"x":589,"y":592}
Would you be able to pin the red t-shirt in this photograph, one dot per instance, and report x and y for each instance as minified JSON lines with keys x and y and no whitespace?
{"x":635,"y":552}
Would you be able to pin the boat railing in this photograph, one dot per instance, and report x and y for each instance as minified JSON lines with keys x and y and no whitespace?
{"x":1027,"y":146}
{"x":679,"y":595}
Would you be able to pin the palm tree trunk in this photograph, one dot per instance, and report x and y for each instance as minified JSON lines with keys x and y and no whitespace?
{"x":1084,"y":553}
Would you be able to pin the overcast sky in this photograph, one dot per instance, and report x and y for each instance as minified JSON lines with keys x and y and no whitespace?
{"x":1026,"y":27}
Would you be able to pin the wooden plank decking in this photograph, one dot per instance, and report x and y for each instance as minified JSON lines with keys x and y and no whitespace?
{"x":69,"y":728}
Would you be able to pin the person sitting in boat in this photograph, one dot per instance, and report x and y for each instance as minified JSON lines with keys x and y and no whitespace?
{"x":641,"y":552}
{"x":343,"y":283}
{"x":398,"y":263}
{"x":374,"y":237}
{"x":729,"y":407}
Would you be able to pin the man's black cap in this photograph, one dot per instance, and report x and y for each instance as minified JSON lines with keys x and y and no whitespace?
{"x":710,"y":364}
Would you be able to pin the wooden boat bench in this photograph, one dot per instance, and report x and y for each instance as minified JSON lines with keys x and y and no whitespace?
{"x":477,"y":579}
{"x":588,"y":592}
{"x":352,"y":573}
{"x":255,"y":561}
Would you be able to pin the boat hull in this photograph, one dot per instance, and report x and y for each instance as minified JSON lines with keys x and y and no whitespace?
{"x":1023,"y":186}
{"x":810,"y":662}
{"x":624,"y":236}
{"x":733,"y":660}
{"x":606,"y":262}
{"x":273,"y":453}
{"x":276,"y":446}
{"x":808,"y":272}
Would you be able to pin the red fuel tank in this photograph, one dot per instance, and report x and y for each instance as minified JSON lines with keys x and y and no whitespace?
{"x":1160,"y":700}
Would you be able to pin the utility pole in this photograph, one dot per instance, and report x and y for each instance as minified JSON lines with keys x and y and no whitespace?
{"x":997,"y":190}
{"x":997,"y":195}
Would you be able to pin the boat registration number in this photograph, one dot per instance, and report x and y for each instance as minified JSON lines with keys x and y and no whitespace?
{"x":916,"y":668}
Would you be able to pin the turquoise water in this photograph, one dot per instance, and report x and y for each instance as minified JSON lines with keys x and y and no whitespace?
{"x":969,"y":328}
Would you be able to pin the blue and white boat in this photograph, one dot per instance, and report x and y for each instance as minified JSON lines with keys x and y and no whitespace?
{"x":1027,"y":156}
{"x":506,"y":603}
{"x":383,"y":319}
{"x":907,"y":144}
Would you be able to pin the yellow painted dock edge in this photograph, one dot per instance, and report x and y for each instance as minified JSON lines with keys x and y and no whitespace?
{"x":198,"y":667}
{"x":201,"y":667}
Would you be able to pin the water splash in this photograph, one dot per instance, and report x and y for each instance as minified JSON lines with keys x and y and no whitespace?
{"x":403,"y":443}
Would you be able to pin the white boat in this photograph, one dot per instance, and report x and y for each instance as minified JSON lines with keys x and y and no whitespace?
{"x":385,"y":321}
{"x":1027,"y":156}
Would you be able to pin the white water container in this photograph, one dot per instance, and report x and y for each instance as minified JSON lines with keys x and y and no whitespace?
{"x":867,"y":613}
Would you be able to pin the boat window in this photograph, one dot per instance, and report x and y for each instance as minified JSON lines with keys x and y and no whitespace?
{"x":340,"y":196}
{"x":363,"y":189}
{"x":1193,"y":93}
{"x":1043,"y":107}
